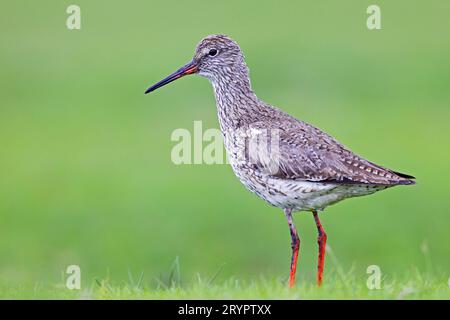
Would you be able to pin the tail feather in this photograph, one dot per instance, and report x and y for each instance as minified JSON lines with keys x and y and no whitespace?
{"x":408,"y":179}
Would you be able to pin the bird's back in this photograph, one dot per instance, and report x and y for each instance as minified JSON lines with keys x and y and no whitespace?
{"x":300,"y":151}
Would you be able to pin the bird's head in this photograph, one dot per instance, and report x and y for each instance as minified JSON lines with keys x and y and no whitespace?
{"x":216,"y":57}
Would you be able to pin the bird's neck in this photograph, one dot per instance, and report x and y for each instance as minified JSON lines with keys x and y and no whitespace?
{"x":237,"y":104}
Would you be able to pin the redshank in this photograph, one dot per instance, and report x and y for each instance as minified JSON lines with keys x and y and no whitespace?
{"x":302,"y":168}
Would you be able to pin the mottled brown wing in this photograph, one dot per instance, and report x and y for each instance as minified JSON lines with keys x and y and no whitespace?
{"x":307,"y":153}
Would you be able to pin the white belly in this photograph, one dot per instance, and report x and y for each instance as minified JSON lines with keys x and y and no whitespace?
{"x":300,"y":195}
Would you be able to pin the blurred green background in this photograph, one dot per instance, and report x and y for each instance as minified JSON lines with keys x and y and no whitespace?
{"x":85,"y":171}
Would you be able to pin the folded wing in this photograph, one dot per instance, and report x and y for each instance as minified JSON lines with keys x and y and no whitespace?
{"x":300,"y":151}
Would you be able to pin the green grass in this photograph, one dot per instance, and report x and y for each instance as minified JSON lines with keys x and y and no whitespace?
{"x":335,"y":287}
{"x":413,"y":285}
{"x":338,"y":284}
{"x":85,"y":170}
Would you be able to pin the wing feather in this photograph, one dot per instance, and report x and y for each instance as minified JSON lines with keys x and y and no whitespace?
{"x":304,"y":152}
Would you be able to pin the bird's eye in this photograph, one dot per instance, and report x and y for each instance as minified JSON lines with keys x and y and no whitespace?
{"x":212,"y":52}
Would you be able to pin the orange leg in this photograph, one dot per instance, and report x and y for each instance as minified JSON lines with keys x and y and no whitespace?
{"x":322,"y":241}
{"x":295,"y":244}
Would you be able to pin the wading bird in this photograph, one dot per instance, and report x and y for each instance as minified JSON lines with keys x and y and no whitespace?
{"x":303,"y":168}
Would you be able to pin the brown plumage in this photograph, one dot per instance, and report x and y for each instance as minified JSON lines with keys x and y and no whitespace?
{"x":287,"y":162}
{"x":307,"y":153}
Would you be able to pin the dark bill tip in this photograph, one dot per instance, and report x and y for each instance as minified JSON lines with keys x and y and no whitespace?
{"x":189,"y":68}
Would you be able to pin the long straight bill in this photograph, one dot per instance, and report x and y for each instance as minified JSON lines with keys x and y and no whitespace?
{"x":189,"y":68}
